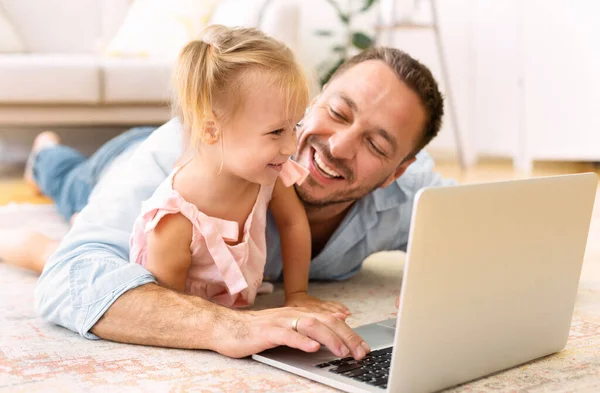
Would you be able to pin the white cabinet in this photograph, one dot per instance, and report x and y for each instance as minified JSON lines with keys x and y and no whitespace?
{"x":561,"y":68}
{"x":537,"y":79}
{"x":495,"y":77}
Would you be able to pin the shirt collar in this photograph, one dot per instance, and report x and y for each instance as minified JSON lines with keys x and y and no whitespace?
{"x":388,"y":198}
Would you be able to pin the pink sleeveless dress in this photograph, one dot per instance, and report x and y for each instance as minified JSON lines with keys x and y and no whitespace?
{"x":229,"y":275}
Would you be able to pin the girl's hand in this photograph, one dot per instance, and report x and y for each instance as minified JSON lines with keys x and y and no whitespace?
{"x":303,"y":299}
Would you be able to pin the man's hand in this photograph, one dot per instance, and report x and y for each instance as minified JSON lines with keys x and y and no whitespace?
{"x":242,"y":333}
{"x":153,"y":315}
{"x":303,"y":299}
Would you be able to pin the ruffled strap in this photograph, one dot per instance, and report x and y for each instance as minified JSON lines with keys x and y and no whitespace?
{"x":292,"y":172}
{"x":214,"y":230}
{"x":172,"y":203}
{"x":163,"y":202}
{"x":210,"y":228}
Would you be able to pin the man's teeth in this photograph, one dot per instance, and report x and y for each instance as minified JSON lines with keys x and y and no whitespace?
{"x":323,"y":167}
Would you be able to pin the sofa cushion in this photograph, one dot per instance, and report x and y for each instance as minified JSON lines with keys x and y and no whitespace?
{"x":128,"y":80}
{"x":9,"y":39}
{"x":239,"y":13}
{"x":160,"y":28}
{"x":57,"y":26}
{"x":49,"y":79}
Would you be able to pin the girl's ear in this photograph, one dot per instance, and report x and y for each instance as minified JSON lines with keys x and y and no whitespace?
{"x":211,"y":132}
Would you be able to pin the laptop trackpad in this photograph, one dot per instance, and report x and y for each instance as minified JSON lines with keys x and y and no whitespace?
{"x":378,"y":335}
{"x":389,"y":323}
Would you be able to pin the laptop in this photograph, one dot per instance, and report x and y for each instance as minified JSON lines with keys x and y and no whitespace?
{"x":489,"y":282}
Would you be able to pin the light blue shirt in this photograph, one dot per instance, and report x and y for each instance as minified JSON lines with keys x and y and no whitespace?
{"x":91,"y":268}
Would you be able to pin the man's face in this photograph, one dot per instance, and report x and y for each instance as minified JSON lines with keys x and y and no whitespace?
{"x":357,"y":133}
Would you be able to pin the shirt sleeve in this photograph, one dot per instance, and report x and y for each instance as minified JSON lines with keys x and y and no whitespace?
{"x":91,"y":268}
{"x":418,"y":175}
{"x":421,"y":173}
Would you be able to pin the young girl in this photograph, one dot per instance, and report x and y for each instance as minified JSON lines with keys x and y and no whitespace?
{"x":239,"y":95}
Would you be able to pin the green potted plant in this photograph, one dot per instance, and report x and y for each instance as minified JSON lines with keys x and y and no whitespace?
{"x":352,"y":40}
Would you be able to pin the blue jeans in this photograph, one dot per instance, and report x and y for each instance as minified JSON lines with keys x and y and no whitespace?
{"x":68,"y":177}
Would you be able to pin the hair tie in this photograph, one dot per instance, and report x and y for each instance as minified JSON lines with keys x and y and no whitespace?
{"x":210,"y":45}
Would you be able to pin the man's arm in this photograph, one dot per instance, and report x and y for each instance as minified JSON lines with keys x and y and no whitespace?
{"x":91,"y":268}
{"x":89,"y":284}
{"x":153,"y":315}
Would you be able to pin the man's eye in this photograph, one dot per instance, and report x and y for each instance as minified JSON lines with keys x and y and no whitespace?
{"x":336,"y":115}
{"x":277,"y":132}
{"x":375,"y":148}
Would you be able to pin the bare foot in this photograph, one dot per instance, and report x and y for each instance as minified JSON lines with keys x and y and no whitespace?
{"x":26,"y":248}
{"x":41,"y":141}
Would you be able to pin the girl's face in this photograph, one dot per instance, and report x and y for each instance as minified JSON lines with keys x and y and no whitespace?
{"x":259,"y":139}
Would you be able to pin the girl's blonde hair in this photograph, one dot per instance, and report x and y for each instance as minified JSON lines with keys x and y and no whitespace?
{"x":210,"y":72}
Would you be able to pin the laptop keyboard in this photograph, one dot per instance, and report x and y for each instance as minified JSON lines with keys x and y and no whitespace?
{"x":374,"y":369}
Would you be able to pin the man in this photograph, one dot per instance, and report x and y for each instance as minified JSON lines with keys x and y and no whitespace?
{"x":358,"y":138}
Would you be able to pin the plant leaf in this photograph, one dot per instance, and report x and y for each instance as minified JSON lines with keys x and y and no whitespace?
{"x":361,"y":40}
{"x":345,"y":18}
{"x":324,"y":33}
{"x":325,"y":78}
{"x":367,"y":5}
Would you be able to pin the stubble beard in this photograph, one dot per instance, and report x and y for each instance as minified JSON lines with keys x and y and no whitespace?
{"x":337,"y":198}
{"x":347,"y":196}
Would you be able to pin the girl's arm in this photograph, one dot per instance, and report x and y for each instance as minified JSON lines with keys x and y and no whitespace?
{"x":168,"y":254}
{"x":294,"y":232}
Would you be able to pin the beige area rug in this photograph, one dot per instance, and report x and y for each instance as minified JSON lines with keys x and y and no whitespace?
{"x":38,"y":357}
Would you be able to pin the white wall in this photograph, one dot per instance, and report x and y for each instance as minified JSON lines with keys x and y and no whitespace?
{"x":455,"y":26}
{"x":562,"y":79}
{"x":497,"y":65}
{"x":525,"y":73}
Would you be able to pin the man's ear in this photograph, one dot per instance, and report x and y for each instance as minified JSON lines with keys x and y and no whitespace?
{"x":211,"y":133}
{"x":398,"y":172}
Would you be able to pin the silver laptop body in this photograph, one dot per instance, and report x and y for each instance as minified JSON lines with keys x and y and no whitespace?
{"x":490,"y":281}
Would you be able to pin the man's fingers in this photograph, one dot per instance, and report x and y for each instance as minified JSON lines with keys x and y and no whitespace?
{"x":316,"y":328}
{"x":318,"y":331}
{"x":293,"y":339}
{"x":358,"y":347}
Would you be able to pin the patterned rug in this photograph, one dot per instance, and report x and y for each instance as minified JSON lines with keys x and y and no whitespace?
{"x":38,"y":357}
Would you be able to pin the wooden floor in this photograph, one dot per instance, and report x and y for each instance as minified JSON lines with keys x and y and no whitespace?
{"x":13,"y":189}
{"x":498,"y":169}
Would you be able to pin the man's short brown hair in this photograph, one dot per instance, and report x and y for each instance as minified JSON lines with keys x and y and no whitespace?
{"x":416,"y":76}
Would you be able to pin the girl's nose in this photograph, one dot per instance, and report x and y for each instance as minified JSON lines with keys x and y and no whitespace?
{"x":289,"y":145}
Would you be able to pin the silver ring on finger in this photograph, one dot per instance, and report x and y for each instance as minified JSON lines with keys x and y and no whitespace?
{"x":295,"y":324}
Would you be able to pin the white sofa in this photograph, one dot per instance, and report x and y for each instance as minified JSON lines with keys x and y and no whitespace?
{"x":63,"y":78}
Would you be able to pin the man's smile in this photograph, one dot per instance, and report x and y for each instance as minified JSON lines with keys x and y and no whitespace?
{"x":327,"y":170}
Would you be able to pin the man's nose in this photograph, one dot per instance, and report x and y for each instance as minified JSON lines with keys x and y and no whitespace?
{"x":343,"y":143}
